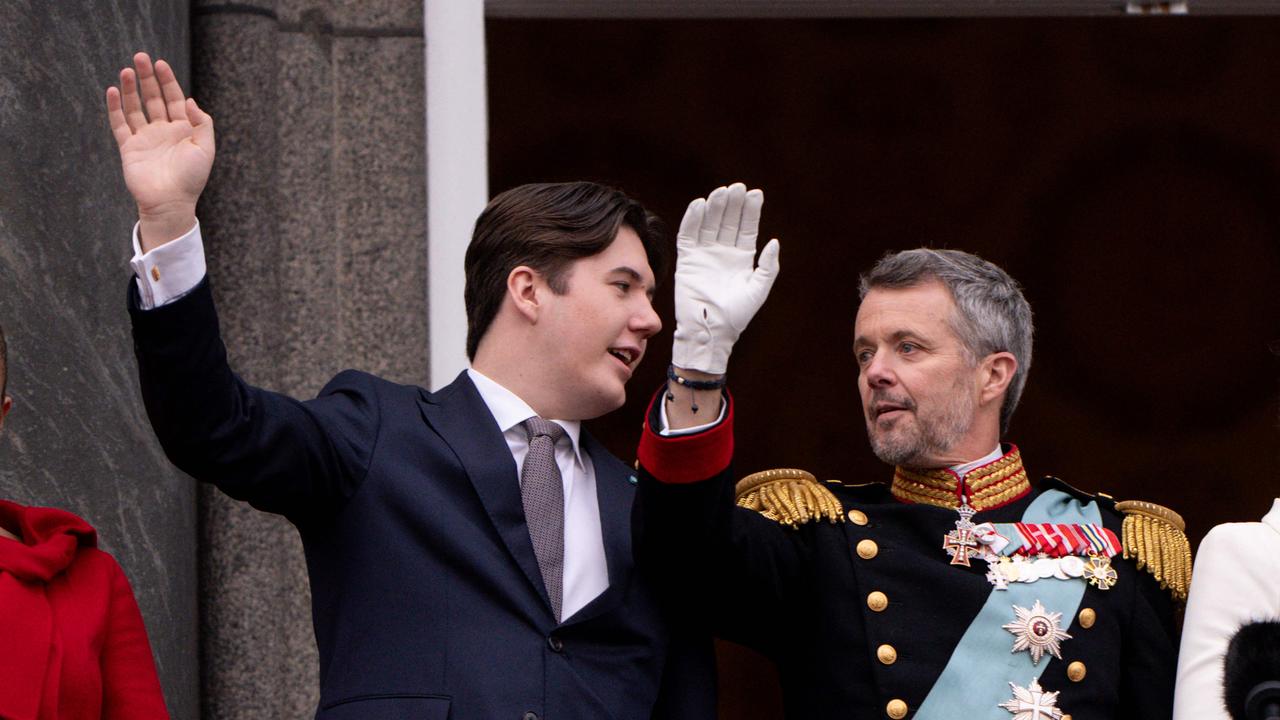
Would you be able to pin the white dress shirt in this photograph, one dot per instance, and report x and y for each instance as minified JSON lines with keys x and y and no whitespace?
{"x":1236,"y":581}
{"x":169,"y":271}
{"x":586,"y":573}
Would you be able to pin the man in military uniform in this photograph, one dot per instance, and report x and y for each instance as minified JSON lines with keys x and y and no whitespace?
{"x":957,"y":590}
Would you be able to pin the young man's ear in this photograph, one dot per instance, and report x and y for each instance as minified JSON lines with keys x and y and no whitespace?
{"x":5,"y":404}
{"x":524,"y":287}
{"x":998,"y":370}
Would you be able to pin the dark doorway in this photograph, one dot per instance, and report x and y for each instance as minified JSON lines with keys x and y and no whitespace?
{"x":1124,"y":170}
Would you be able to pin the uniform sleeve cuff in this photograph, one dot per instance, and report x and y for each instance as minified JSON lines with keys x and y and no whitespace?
{"x":686,"y":458}
{"x":664,"y":426}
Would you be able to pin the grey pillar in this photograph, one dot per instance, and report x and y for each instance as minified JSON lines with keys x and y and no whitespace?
{"x":315,"y":232}
{"x":78,"y":437}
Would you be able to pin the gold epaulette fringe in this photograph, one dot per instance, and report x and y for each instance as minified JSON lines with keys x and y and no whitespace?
{"x":788,"y":496}
{"x":1156,"y":537}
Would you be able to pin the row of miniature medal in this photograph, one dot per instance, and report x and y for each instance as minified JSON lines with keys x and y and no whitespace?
{"x":1026,"y":552}
{"x":1017,"y":552}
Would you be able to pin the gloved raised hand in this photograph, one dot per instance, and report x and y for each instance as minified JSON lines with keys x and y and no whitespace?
{"x":718,"y":286}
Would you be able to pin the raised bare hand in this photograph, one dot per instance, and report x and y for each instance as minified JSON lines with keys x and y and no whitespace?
{"x":166,"y":148}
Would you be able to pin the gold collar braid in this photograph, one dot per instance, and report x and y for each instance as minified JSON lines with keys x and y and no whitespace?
{"x":989,"y":486}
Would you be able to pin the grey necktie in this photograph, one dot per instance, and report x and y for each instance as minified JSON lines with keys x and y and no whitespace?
{"x":542,"y":492}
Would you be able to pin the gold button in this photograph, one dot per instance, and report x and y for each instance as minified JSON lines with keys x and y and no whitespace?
{"x":857,"y":517}
{"x":1066,"y":717}
{"x":877,"y":601}
{"x":887,"y":654}
{"x":867,"y":549}
{"x":1076,"y":671}
{"x":155,"y":272}
{"x":896,"y":709}
{"x":1087,"y":618}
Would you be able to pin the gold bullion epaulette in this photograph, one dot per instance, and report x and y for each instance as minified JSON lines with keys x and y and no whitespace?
{"x":788,"y":496}
{"x":1156,"y":537}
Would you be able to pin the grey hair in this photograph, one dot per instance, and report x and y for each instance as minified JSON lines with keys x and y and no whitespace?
{"x":991,"y":313}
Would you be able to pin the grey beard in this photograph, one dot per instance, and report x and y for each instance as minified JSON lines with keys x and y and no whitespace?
{"x":898,"y":450}
{"x":928,"y":437}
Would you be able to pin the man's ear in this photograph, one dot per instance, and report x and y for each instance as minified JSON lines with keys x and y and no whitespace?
{"x":524,"y":286}
{"x":5,"y":404}
{"x":997,"y":373}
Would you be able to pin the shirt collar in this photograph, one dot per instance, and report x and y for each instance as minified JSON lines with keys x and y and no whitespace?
{"x":509,"y":410}
{"x":964,"y":468}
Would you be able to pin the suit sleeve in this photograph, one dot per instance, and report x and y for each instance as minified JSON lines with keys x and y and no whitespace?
{"x":130,"y":687}
{"x":279,"y":454}
{"x":727,"y":563}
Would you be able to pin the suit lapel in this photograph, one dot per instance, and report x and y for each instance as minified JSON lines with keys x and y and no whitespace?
{"x":458,"y":414}
{"x":616,"y":494}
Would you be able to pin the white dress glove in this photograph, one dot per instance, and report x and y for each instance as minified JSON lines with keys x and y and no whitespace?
{"x":718,"y":290}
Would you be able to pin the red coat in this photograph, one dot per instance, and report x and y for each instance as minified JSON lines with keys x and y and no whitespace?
{"x":72,"y":643}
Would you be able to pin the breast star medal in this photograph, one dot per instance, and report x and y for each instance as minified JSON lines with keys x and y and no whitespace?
{"x":961,"y":544}
{"x":1038,"y":631}
{"x":1032,"y":703}
{"x":1099,"y":573}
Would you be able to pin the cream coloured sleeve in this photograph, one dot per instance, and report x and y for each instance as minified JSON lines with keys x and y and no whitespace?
{"x":1236,"y":581}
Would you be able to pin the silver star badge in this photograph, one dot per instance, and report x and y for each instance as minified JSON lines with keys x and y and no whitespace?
{"x":1032,"y":703}
{"x":1038,"y":631}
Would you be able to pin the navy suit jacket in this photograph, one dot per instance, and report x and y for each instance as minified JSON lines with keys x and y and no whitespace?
{"x":427,"y":600}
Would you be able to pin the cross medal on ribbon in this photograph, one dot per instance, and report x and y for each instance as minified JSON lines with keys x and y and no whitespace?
{"x":961,"y":544}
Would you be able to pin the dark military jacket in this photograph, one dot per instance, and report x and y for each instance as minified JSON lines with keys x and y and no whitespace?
{"x":862,"y":615}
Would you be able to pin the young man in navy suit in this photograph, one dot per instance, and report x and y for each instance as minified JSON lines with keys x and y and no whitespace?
{"x":435,"y":589}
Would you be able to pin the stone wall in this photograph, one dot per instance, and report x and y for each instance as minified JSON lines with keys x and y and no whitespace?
{"x":78,"y":437}
{"x":315,"y":228}
{"x":314,"y":224}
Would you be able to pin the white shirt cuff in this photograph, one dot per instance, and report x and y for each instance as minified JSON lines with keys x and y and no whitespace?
{"x":666,"y":430}
{"x":169,"y":271}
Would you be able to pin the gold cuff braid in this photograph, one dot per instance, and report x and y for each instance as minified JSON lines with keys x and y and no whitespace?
{"x":788,"y":496}
{"x":1155,"y":536}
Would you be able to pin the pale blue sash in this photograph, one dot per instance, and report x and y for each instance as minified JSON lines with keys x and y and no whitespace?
{"x":976,"y":678}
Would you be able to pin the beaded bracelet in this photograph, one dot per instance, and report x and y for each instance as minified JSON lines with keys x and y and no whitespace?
{"x":692,"y":385}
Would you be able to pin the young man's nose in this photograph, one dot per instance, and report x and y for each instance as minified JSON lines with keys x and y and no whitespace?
{"x":646,"y":321}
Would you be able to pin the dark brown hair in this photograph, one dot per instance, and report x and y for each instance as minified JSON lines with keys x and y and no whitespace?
{"x":547,"y":226}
